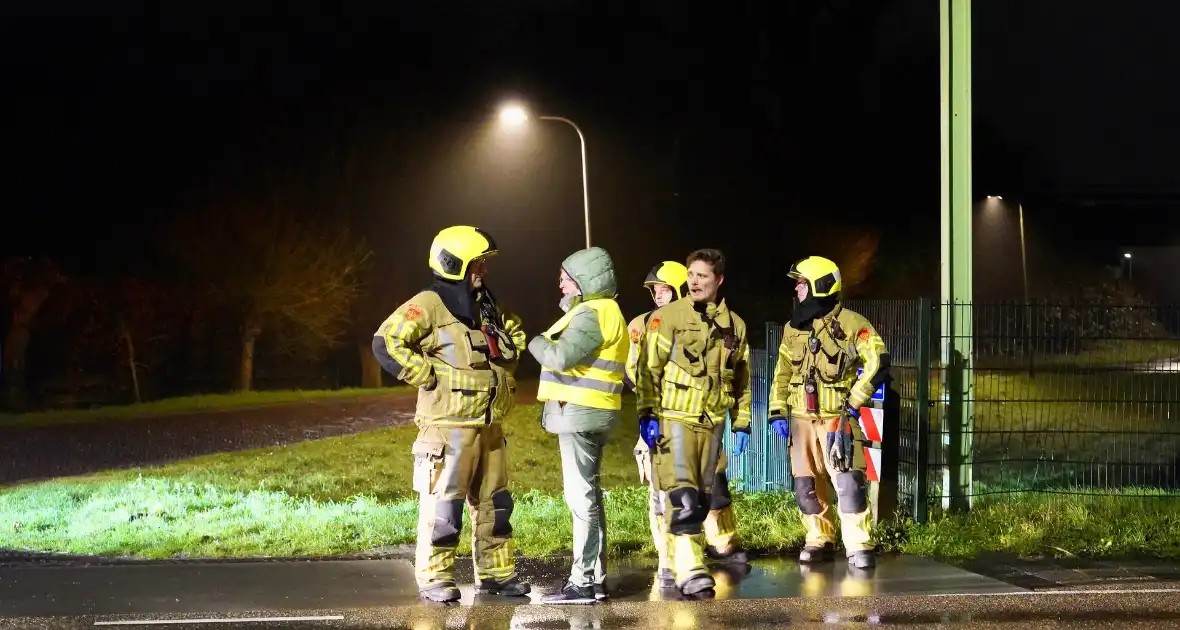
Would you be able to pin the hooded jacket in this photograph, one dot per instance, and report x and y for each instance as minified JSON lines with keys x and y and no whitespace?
{"x":594,"y":273}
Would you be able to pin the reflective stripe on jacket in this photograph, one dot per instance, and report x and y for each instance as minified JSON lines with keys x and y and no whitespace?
{"x":597,"y":380}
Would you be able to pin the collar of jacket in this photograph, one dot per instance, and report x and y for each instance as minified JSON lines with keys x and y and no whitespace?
{"x":461,"y":300}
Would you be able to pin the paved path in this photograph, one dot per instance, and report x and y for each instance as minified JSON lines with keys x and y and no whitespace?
{"x":772,"y":593}
{"x":28,"y":453}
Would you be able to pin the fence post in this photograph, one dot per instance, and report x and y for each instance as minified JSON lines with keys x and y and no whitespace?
{"x":773,"y":338}
{"x":922,"y":415}
{"x":889,"y":474}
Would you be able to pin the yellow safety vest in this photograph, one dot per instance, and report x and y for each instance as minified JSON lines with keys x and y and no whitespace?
{"x":597,"y":381}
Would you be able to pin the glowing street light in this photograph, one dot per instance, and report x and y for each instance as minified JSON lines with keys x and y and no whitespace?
{"x":515,"y":116}
{"x":1023,"y":257}
{"x":1024,"y":273}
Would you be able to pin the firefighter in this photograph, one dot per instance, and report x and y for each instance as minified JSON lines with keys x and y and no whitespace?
{"x":693,"y":370}
{"x":666,"y":282}
{"x":453,"y":343}
{"x":814,"y":403}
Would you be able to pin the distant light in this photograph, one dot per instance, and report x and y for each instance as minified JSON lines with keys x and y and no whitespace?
{"x":995,"y":197}
{"x":1127,"y":255}
{"x":513,"y":115}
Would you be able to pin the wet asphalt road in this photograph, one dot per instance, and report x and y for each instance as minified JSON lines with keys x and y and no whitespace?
{"x":73,"y":449}
{"x":772,"y":593}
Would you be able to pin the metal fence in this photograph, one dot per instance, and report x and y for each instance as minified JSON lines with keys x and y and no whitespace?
{"x":766,"y":464}
{"x":1058,"y":398}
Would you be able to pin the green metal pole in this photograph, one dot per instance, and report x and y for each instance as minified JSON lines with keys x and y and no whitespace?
{"x":957,"y":330}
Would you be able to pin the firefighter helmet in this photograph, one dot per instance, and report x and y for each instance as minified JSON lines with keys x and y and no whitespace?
{"x":456,"y":247}
{"x":821,"y":274}
{"x":670,"y":273}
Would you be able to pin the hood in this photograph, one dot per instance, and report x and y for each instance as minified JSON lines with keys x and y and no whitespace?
{"x":811,"y":309}
{"x":594,"y":272}
{"x":470,"y":306}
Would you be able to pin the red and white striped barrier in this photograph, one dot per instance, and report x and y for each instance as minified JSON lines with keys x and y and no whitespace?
{"x":872,"y":423}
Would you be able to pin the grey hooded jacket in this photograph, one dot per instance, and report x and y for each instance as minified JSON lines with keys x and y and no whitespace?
{"x":594,"y":273}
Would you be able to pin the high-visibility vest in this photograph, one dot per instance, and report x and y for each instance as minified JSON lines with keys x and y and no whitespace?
{"x":596,"y":381}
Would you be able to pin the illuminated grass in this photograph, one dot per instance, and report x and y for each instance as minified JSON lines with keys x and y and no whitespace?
{"x":351,"y":494}
{"x":1133,"y":522}
{"x":337,"y":495}
{"x":190,"y":404}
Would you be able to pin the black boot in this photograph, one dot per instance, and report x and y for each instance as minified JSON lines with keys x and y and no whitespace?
{"x":862,"y":559}
{"x":513,"y":587}
{"x":442,"y":592}
{"x":812,"y":554}
{"x":737,"y":556}
{"x":698,"y":584}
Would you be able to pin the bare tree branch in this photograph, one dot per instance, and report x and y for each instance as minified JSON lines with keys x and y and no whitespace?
{"x":296,"y":278}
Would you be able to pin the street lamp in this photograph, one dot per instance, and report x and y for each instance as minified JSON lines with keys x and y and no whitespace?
{"x":1024,"y":272}
{"x":1023,"y":257}
{"x":1131,"y":267}
{"x":515,"y":115}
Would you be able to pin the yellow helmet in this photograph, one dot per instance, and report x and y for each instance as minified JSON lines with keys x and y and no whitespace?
{"x":821,"y":274}
{"x":670,"y":273}
{"x":458,"y":246}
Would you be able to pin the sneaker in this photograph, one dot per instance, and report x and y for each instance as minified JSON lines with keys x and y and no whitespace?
{"x":600,"y":592}
{"x":571,"y":594}
{"x":812,"y":554}
{"x":698,"y":584}
{"x":441,"y":592}
{"x":862,"y":560}
{"x":513,"y":587}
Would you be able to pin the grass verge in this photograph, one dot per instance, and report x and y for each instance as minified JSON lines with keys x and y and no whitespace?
{"x":351,"y":494}
{"x":192,"y":404}
{"x":1131,"y":522}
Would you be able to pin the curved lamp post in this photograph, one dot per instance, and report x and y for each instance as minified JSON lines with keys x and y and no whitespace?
{"x":515,"y":115}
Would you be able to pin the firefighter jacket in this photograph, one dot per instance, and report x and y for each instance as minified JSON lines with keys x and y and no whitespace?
{"x":831,"y":351}
{"x":695,"y":365}
{"x":464,"y":375}
{"x":635,"y":331}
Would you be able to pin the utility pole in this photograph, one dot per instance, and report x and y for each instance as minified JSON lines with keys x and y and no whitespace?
{"x":956,"y":328}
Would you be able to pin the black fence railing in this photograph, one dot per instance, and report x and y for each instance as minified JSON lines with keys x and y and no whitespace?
{"x":1055,"y":398}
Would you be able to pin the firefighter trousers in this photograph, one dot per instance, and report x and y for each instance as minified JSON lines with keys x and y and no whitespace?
{"x":720,"y":525}
{"x":814,"y":477}
{"x":454,"y":465}
{"x":686,"y":460}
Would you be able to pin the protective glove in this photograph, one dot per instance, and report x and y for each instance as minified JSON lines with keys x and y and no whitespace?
{"x":740,"y":440}
{"x":781,"y":427}
{"x":515,"y":331}
{"x":649,"y":429}
{"x":839,"y":443}
{"x":431,"y":382}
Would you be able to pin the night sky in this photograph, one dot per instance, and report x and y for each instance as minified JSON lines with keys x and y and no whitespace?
{"x":770,"y":130}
